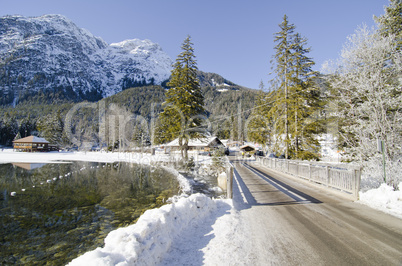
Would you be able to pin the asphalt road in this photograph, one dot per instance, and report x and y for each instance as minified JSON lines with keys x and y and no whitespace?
{"x":293,"y":223}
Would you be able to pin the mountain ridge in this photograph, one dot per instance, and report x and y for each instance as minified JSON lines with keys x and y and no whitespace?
{"x":53,"y":55}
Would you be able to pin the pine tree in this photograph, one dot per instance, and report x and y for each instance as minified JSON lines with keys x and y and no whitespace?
{"x":259,"y":127}
{"x":296,"y":98}
{"x":184,"y":105}
{"x":18,"y":136}
{"x":283,"y":61}
{"x":51,"y":127}
{"x":391,"y":22}
{"x":305,"y":101}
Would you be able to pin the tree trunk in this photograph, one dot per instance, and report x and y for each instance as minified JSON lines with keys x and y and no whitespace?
{"x":181,"y":146}
{"x":185,"y":148}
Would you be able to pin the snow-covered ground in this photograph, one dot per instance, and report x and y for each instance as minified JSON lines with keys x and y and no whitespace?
{"x":9,"y":156}
{"x":384,"y":198}
{"x":213,"y":225}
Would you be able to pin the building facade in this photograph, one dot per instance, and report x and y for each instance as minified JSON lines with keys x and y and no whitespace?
{"x":31,"y":144}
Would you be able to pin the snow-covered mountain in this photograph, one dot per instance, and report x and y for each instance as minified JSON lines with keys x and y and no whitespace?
{"x":50,"y":53}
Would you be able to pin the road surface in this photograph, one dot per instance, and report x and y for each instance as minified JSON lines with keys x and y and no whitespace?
{"x":292,"y":223}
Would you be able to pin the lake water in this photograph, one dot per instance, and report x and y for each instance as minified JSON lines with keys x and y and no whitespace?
{"x":62,"y":210}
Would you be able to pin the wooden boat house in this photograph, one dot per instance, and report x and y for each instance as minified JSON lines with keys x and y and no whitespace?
{"x":31,"y":144}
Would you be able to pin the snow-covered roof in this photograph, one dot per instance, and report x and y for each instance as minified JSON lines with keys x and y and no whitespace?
{"x":31,"y":139}
{"x":247,"y":147}
{"x":198,"y":142}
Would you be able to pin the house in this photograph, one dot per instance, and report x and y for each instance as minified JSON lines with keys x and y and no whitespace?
{"x":31,"y":144}
{"x":233,"y":144}
{"x":247,"y":148}
{"x":198,"y":144}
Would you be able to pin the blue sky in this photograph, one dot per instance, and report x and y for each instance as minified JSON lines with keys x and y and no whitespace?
{"x":231,"y":37}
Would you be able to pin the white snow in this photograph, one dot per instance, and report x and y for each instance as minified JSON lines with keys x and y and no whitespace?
{"x":193,"y":230}
{"x":148,"y":241}
{"x":384,"y":198}
{"x":9,"y":156}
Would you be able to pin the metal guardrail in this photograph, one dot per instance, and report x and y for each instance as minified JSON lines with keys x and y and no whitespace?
{"x":340,"y":177}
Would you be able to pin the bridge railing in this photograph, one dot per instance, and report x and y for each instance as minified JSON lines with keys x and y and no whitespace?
{"x":342,"y":177}
{"x":229,"y":180}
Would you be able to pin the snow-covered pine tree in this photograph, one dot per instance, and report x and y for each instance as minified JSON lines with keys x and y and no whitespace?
{"x":391,"y":22}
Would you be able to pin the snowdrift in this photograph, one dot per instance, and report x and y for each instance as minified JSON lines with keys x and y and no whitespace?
{"x":146,"y":242}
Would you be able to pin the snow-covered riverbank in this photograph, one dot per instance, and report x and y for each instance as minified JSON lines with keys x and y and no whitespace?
{"x":9,"y":156}
{"x":209,"y":227}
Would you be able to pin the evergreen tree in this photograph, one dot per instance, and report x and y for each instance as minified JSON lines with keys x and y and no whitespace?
{"x":8,"y":129}
{"x":259,"y":127}
{"x":18,"y":136}
{"x":296,"y":98}
{"x":51,"y":127}
{"x":391,"y":22}
{"x":223,"y":129}
{"x":184,"y":105}
{"x":283,"y":62}
{"x":305,"y":101}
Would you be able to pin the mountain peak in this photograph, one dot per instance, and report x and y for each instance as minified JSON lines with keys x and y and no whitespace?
{"x":51,"y":53}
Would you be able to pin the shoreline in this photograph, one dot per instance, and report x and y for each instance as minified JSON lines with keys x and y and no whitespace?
{"x":11,"y":156}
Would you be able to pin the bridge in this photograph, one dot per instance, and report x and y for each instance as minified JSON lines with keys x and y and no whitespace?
{"x":293,"y":222}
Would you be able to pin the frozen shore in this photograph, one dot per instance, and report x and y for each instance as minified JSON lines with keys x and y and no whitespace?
{"x":9,"y":156}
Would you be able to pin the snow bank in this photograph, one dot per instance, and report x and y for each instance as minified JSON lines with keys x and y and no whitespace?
{"x":147,"y":241}
{"x":384,"y":198}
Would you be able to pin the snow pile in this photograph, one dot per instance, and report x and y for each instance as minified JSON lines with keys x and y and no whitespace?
{"x":147,"y":241}
{"x":384,"y":198}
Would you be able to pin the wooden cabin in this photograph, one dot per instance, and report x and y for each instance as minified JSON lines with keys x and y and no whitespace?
{"x":31,"y":144}
{"x":198,"y":144}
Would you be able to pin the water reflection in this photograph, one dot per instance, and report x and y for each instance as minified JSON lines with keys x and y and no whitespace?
{"x":62,"y":210}
{"x":29,"y":166}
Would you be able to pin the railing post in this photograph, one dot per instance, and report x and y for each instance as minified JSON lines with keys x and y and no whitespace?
{"x":327,"y":171}
{"x":309,"y":172}
{"x":357,"y":177}
{"x":229,"y":182}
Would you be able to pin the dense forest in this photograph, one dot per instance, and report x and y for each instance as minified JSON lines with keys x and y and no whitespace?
{"x":45,"y":114}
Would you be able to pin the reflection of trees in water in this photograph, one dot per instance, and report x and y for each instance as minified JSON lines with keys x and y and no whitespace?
{"x":60,"y":218}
